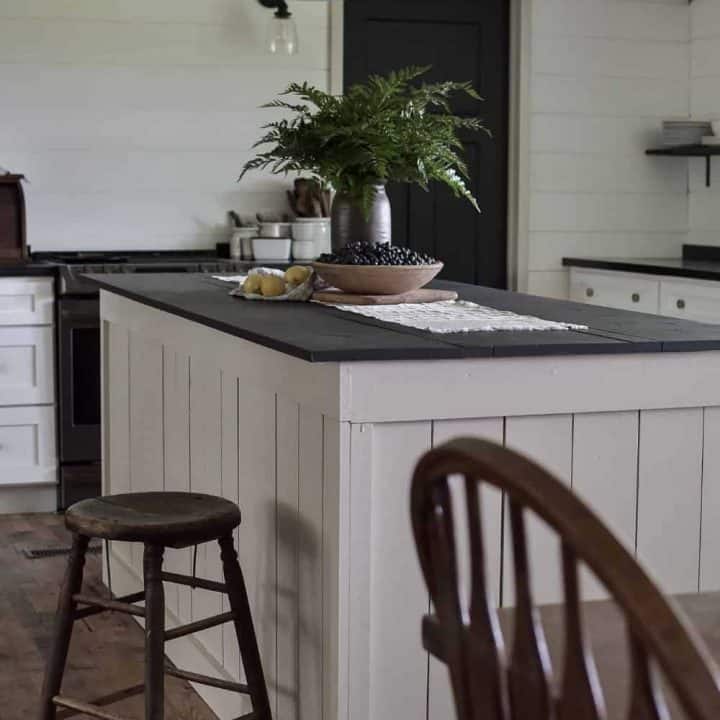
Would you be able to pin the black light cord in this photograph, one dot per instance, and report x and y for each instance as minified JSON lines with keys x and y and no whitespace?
{"x":281,"y":8}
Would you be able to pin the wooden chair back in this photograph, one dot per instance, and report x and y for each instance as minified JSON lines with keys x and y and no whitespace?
{"x":488,"y":686}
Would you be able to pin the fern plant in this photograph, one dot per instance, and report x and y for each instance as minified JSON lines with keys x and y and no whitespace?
{"x":387,"y":129}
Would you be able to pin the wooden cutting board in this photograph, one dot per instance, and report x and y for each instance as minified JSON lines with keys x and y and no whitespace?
{"x":424,"y":295}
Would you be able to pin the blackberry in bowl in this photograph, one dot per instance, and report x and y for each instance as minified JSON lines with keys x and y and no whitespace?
{"x":366,"y":269}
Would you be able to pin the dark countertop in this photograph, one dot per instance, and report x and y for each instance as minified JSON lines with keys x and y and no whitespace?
{"x":697,"y":269}
{"x":27,"y":268}
{"x":701,"y":262}
{"x":322,"y":334}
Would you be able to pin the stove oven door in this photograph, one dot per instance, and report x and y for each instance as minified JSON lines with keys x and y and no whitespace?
{"x":79,"y":374}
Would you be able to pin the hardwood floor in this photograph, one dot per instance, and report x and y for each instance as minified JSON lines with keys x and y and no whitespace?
{"x":106,"y":654}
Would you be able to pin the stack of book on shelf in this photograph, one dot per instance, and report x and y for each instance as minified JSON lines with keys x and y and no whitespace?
{"x":685,"y":132}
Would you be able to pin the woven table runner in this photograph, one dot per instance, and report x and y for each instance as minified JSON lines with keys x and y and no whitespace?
{"x":455,"y":316}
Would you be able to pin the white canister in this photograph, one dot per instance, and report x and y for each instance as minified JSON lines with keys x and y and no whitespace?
{"x":315,"y":229}
{"x":303,"y":250}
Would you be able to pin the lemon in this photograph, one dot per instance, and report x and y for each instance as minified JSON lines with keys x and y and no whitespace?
{"x":272,"y":286}
{"x":297,"y":274}
{"x":251,"y":286}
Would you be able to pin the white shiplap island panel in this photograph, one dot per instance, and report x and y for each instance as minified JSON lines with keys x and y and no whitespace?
{"x":319,"y":457}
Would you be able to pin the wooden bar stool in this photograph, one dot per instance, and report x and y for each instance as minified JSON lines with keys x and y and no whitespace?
{"x":158,"y":520}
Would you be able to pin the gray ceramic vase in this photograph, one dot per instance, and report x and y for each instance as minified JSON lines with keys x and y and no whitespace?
{"x":349,"y":224}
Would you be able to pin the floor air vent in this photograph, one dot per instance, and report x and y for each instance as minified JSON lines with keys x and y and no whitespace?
{"x":37,"y":553}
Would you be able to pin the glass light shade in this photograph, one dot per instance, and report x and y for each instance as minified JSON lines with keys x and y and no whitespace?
{"x":282,"y":36}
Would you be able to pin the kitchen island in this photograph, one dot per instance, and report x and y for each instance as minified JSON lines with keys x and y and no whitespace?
{"x":312,"y":420}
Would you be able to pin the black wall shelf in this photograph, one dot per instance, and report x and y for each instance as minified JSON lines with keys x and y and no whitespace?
{"x":690,"y":151}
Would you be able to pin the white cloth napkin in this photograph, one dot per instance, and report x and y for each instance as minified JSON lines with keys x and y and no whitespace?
{"x":454,"y":316}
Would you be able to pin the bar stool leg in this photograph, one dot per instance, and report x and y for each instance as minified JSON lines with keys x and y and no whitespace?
{"x":64,"y":620}
{"x":237,"y":596}
{"x":154,"y":633}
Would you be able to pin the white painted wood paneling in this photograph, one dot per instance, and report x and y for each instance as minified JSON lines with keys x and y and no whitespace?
{"x":116,"y":418}
{"x":601,"y":77}
{"x":335,"y":556}
{"x":705,"y":103}
{"x":669,"y":496}
{"x":546,"y":440}
{"x":310,"y":562}
{"x":398,"y":600}
{"x":176,"y":433}
{"x":604,"y":475}
{"x":27,"y":301}
{"x":27,"y":365}
{"x":440,"y":701}
{"x":145,"y":378}
{"x":152,"y":158}
{"x":206,"y":476}
{"x":359,"y":571}
{"x":289,"y":528}
{"x":258,"y":531}
{"x":230,"y":478}
{"x":710,"y":537}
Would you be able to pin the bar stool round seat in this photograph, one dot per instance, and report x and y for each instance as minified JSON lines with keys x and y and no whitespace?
{"x":157,"y":520}
{"x":171,"y":519}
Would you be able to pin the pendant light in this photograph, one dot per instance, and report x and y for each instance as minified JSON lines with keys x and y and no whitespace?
{"x":282,"y":36}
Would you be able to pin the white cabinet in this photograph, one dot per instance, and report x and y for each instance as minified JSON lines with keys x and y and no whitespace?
{"x":691,"y":299}
{"x":28,"y":457}
{"x":26,"y":301}
{"x":27,"y":445}
{"x":626,"y":291}
{"x":686,"y":298}
{"x":26,"y":365}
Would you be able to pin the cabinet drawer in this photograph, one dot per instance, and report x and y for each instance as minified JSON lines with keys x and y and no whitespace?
{"x":27,"y":445}
{"x":692,"y":301}
{"x":26,"y":301}
{"x":627,"y":292}
{"x":27,"y":375}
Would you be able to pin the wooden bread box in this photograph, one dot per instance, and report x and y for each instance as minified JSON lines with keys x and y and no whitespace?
{"x":13,"y":238}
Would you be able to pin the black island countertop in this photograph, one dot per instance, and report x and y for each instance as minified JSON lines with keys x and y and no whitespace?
{"x":319,"y":333}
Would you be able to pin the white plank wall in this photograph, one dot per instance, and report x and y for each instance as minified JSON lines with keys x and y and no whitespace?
{"x":669,"y":496}
{"x":705,"y":103}
{"x":176,"y":448}
{"x":602,"y":75}
{"x":147,"y":469}
{"x":289,"y":532}
{"x":230,"y":487}
{"x":206,"y":476}
{"x":133,"y":119}
{"x":116,"y":429}
{"x":547,"y":440}
{"x":710,"y":538}
{"x":398,"y":598}
{"x":310,"y":563}
{"x":604,"y":474}
{"x":440,"y":703}
{"x":257,"y":494}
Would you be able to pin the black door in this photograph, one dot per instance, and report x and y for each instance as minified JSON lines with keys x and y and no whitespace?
{"x":462,"y":40}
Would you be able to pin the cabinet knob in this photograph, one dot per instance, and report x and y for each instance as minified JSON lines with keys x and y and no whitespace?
{"x":636,"y":297}
{"x":589,"y":292}
{"x":680,"y":304}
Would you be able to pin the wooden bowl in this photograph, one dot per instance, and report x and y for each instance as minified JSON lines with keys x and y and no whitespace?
{"x":377,"y":279}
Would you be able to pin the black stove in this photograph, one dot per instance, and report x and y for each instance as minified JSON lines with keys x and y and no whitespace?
{"x":72,"y":265}
{"x":78,"y":350}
